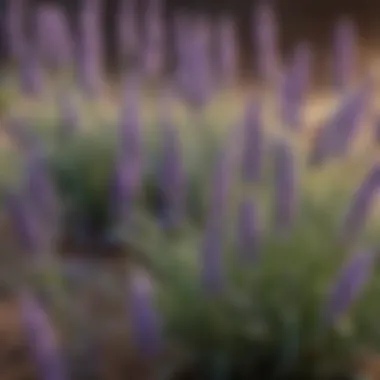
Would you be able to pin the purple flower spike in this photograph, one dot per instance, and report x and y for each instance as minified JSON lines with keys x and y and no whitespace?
{"x":41,"y":339}
{"x":194,"y":67}
{"x":334,"y":136}
{"x":126,"y":178}
{"x":15,"y":28}
{"x":252,"y":144}
{"x":344,"y":54}
{"x":350,"y":282}
{"x":29,"y":233}
{"x":377,"y":131}
{"x":265,"y":38}
{"x":284,"y":203}
{"x":153,"y":54}
{"x":144,"y":319}
{"x":227,"y":59}
{"x":360,"y":205}
{"x":53,"y":36}
{"x":171,"y":175}
{"x":248,"y":234}
{"x":128,"y":34}
{"x":90,"y":48}
{"x":295,"y":85}
{"x":30,"y":72}
{"x":40,"y":189}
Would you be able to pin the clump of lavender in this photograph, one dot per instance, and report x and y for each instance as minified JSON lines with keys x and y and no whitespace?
{"x":54,"y":44}
{"x":349,"y":283}
{"x":41,"y":339}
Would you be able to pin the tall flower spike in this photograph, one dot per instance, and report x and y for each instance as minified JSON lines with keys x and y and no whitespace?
{"x":40,"y":190}
{"x":334,"y":136}
{"x":227,"y":59}
{"x":349,"y":283}
{"x":28,"y":231}
{"x":248,"y":234}
{"x":265,"y":38}
{"x":344,"y":54}
{"x":359,"y":207}
{"x":90,"y":48}
{"x":15,"y":28}
{"x":145,"y":323}
{"x":30,"y":72}
{"x":284,"y":202}
{"x":41,"y":339}
{"x":53,"y":36}
{"x":194,"y":76}
{"x":252,"y":158}
{"x":294,"y":86}
{"x":153,"y":54}
{"x":171,"y":176}
{"x":127,"y":172}
{"x":127,"y":29}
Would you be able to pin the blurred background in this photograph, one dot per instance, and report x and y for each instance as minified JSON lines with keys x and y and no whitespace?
{"x":309,"y":19}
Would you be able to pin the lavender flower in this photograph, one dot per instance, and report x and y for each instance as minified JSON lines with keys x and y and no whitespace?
{"x":90,"y":53}
{"x":252,"y":144}
{"x":127,"y":29}
{"x":127,"y":172}
{"x":24,"y":223}
{"x":248,"y":234}
{"x":145,"y":324}
{"x":171,"y":176}
{"x":334,"y":136}
{"x":14,"y":27}
{"x":376,"y":131}
{"x":30,"y":72}
{"x":226,"y":49}
{"x":359,"y":207}
{"x":153,"y":55}
{"x":265,"y":38}
{"x":194,"y":72}
{"x":349,"y":284}
{"x":294,"y":86}
{"x":53,"y":36}
{"x":40,"y":189}
{"x":344,"y":53}
{"x":284,"y":203}
{"x":41,"y":339}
